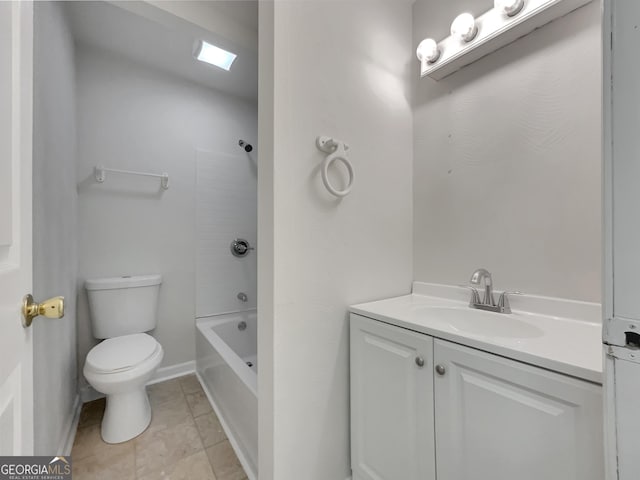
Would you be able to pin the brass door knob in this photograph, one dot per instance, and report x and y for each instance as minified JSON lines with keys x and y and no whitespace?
{"x":52,"y":308}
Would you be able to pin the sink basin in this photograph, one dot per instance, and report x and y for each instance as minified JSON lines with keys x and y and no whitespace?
{"x":481,"y":323}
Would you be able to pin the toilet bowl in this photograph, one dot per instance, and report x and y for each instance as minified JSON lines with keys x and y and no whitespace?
{"x":122,"y":309}
{"x":120,"y":368}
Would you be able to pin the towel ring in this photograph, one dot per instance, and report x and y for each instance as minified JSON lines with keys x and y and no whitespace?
{"x":337,"y":152}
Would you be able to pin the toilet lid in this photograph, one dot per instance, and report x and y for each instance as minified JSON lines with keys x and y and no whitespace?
{"x":121,"y":353}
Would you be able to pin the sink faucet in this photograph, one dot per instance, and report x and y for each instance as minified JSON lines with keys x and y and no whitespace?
{"x":476,"y":279}
{"x":488,"y":302}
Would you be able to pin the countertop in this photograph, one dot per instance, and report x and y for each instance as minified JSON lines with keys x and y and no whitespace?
{"x":564,"y":336}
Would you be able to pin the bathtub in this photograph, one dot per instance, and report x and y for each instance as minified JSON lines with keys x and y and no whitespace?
{"x":226,"y":364}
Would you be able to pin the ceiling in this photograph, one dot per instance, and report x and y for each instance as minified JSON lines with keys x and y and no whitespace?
{"x":169,"y":47}
{"x":242,"y":11}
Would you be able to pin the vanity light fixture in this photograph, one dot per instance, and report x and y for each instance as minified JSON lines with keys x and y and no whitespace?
{"x":509,"y":7}
{"x":464,"y":27}
{"x":428,"y":51}
{"x":473,"y":38}
{"x":208,"y":53}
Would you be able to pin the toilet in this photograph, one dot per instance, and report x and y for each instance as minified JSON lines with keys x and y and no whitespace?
{"x":122,"y":310}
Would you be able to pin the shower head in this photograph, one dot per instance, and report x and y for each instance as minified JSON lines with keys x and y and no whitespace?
{"x":247,"y":146}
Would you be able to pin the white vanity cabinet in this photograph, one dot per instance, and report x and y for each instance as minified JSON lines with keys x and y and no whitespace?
{"x":492,"y":418}
{"x":498,"y":419}
{"x":391,"y":402}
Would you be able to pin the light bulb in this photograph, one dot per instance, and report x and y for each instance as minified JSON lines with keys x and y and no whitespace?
{"x":464,"y":27}
{"x":509,"y":7}
{"x":428,"y":50}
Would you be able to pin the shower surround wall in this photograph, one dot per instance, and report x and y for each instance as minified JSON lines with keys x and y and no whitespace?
{"x":226,"y":208}
{"x":507,"y":159}
{"x":138,"y":118}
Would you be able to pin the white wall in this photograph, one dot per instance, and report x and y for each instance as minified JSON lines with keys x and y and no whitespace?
{"x":339,"y":71}
{"x":266,"y":239}
{"x":54,"y":227}
{"x":133,"y":117}
{"x":507,"y":171}
{"x":226,"y":209}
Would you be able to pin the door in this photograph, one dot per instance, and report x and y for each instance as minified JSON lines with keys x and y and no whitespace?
{"x":497,"y":419}
{"x":16,"y":382}
{"x":627,"y":392}
{"x":621,"y":39}
{"x":391,"y":402}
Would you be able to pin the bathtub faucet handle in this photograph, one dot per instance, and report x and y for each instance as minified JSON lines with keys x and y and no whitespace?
{"x":242,"y":297}
{"x":241,"y":247}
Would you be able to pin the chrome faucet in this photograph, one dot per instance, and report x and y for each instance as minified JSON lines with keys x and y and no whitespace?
{"x":488,"y":302}
{"x":476,"y":279}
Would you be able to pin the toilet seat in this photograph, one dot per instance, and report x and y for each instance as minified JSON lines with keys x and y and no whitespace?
{"x":121,"y":354}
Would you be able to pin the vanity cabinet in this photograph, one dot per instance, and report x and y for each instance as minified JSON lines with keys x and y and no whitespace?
{"x":498,"y":419}
{"x":492,"y":418}
{"x":391,"y":402}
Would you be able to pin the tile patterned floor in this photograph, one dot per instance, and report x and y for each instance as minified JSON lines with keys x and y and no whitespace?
{"x":185,"y":441}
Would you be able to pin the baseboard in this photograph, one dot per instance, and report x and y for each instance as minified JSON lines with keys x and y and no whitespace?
{"x":251,"y":475}
{"x":71,"y":427}
{"x":89,"y":394}
{"x":173,"y":371}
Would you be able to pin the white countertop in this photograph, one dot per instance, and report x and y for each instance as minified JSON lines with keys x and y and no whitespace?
{"x":560,"y":335}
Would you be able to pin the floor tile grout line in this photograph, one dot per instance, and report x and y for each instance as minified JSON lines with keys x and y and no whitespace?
{"x":182,"y":386}
{"x":137,"y":445}
{"x":202,"y":438}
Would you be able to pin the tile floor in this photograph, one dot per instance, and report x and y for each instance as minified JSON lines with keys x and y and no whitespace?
{"x":184,"y":441}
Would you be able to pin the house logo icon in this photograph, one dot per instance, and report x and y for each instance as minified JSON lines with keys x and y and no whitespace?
{"x":59,"y":468}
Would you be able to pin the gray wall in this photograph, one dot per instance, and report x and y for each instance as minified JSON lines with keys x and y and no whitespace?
{"x":343,"y":72}
{"x":54,"y":227}
{"x":136,"y":118}
{"x":507,"y":159}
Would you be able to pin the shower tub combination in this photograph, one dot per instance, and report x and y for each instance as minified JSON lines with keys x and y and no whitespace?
{"x":226,"y":364}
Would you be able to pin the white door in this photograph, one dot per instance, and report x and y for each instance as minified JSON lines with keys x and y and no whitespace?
{"x":16,"y":378}
{"x":391,"y":402}
{"x":622,"y":236}
{"x":497,"y":419}
{"x":621,"y":39}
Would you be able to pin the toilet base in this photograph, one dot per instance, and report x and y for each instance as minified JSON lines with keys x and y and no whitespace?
{"x":126,"y":415}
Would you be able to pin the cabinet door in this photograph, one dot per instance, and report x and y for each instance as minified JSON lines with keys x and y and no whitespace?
{"x":497,"y":419}
{"x":391,"y":402}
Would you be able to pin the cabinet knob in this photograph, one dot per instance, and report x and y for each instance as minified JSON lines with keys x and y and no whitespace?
{"x":420,"y":361}
{"x":440,"y":370}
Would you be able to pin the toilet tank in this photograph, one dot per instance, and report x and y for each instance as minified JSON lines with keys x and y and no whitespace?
{"x":123,"y":305}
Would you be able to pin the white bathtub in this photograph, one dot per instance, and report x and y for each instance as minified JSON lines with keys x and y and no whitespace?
{"x":226,"y":363}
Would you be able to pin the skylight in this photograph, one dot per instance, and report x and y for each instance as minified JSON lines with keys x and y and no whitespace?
{"x":215,"y":56}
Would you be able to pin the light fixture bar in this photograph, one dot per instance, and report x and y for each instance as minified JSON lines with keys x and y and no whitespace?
{"x":213,"y":55}
{"x":495,"y":30}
